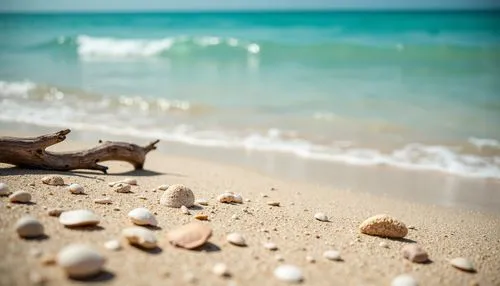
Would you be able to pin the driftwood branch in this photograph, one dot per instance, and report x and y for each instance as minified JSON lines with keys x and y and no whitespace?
{"x":31,"y":153}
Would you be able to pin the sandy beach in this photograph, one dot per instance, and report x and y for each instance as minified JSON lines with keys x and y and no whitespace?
{"x":444,"y":232}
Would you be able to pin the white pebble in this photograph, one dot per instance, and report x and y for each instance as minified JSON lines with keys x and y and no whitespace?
{"x":28,"y":227}
{"x":462,"y":264}
{"x":113,"y":244}
{"x":332,"y":255}
{"x":162,"y":187}
{"x":80,"y":261}
{"x":202,"y":202}
{"x":4,"y":189}
{"x":20,"y":197}
{"x":279,"y":258}
{"x":404,"y":280}
{"x":79,"y":218}
{"x":142,"y":216}
{"x":383,"y":244}
{"x":270,"y":246}
{"x":75,"y":189}
{"x":310,"y":259}
{"x":288,"y":273}
{"x":185,"y":210}
{"x":221,"y":269}
{"x":321,"y":217}
{"x":140,"y":236}
{"x":236,"y":239}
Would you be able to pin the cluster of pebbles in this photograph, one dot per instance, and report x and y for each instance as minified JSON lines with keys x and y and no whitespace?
{"x":82,"y":261}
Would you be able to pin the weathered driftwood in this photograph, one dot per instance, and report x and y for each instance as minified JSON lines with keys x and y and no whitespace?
{"x":31,"y":153}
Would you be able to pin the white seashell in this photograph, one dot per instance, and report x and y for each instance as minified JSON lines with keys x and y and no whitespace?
{"x":140,"y":236}
{"x":463,"y":264}
{"x":202,"y":202}
{"x":113,"y":244}
{"x":53,"y":180}
{"x":162,"y":187}
{"x":122,"y":188}
{"x":332,"y":255}
{"x":270,"y":245}
{"x":105,"y":201}
{"x":236,"y":239}
{"x":288,"y":273}
{"x":237,"y":199}
{"x":221,"y":269}
{"x":80,"y":261}
{"x":321,"y":217}
{"x":75,"y":189}
{"x":20,"y":197}
{"x":28,"y":227}
{"x":79,"y":218}
{"x":55,"y":212}
{"x":176,"y":196}
{"x":404,"y":280}
{"x":225,"y":198}
{"x":142,"y":216}
{"x":185,"y":210}
{"x":4,"y":190}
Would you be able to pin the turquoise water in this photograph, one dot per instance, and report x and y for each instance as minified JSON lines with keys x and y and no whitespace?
{"x":414,"y":90}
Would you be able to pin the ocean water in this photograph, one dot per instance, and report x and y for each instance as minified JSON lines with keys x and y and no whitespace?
{"x":412,"y":90}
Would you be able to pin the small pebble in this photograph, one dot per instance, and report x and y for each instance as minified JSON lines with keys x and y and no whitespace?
{"x":279,"y":258}
{"x":76,"y":189}
{"x":463,"y":264}
{"x":79,"y":218}
{"x":142,"y":216}
{"x":321,"y":217}
{"x":415,"y":253}
{"x":264,"y":195}
{"x":185,"y":210}
{"x":230,"y":197}
{"x":122,"y":188}
{"x":270,"y":246}
{"x":130,"y":181}
{"x":55,"y":212}
{"x":201,"y":216}
{"x":288,"y":273}
{"x":162,"y":187}
{"x":404,"y":280}
{"x":20,"y":197}
{"x":113,"y":244}
{"x":384,"y":226}
{"x":80,"y":261}
{"x":235,"y":217}
{"x":28,"y":227}
{"x":48,"y":259}
{"x":310,"y":259}
{"x":236,"y":239}
{"x":221,"y":269}
{"x":4,"y":190}
{"x":383,"y":244}
{"x":32,"y":184}
{"x":332,"y":255}
{"x":35,"y":252}
{"x":37,"y":279}
{"x":140,"y":236}
{"x":274,"y":204}
{"x":53,"y":180}
{"x":104,"y":201}
{"x":202,"y":202}
{"x":142,"y":197}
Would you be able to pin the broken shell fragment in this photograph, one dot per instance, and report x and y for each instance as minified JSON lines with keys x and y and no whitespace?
{"x":321,"y":217}
{"x":176,"y":196}
{"x":332,"y":255}
{"x":189,"y":236}
{"x":202,"y":202}
{"x":384,"y":226}
{"x":221,"y":269}
{"x":201,"y":216}
{"x":140,"y":236}
{"x":105,"y":201}
{"x":274,"y":203}
{"x":288,"y":273}
{"x":404,"y":280}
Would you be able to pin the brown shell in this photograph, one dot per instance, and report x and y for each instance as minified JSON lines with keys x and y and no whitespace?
{"x":189,"y":236}
{"x":385,"y":226}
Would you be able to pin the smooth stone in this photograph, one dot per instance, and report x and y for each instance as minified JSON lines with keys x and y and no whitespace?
{"x":142,"y":216}
{"x":185,"y":210}
{"x":28,"y":227}
{"x":122,"y":188}
{"x":463,"y":264}
{"x":53,"y":180}
{"x":270,"y":246}
{"x":237,"y":198}
{"x":75,"y":189}
{"x":79,"y":218}
{"x":189,"y":236}
{"x":404,"y":280}
{"x":176,"y":196}
{"x":273,"y":203}
{"x":4,"y":190}
{"x":140,"y":236}
{"x":279,"y":257}
{"x":321,"y":217}
{"x":383,"y":244}
{"x":202,"y":202}
{"x":163,"y":187}
{"x":104,"y":201}
{"x":130,"y":181}
{"x":310,"y":259}
{"x":236,"y":239}
{"x":20,"y":197}
{"x":55,"y":212}
{"x":80,"y":261}
{"x":220,"y":269}
{"x":384,"y":226}
{"x":415,"y":253}
{"x":113,"y":244}
{"x":288,"y":273}
{"x":332,"y":255}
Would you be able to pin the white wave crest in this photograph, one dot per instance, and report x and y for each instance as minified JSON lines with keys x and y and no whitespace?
{"x":16,"y":89}
{"x":481,"y":143}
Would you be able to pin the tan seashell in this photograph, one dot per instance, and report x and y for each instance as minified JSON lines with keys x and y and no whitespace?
{"x":190,"y":236}
{"x":53,"y":180}
{"x":236,"y":239}
{"x":140,"y":236}
{"x":415,"y":253}
{"x":78,"y":218}
{"x":384,"y":226}
{"x":20,"y":197}
{"x":176,"y":196}
{"x":29,"y":227}
{"x":142,"y":216}
{"x":75,"y":189}
{"x":80,"y":261}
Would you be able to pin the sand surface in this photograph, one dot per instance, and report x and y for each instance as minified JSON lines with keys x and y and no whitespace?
{"x":444,"y":232}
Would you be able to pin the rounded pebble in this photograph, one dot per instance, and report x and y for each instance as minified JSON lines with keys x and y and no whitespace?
{"x":53,"y":180}
{"x":162,"y":187}
{"x":20,"y":197}
{"x":404,"y":280}
{"x":415,"y":253}
{"x":463,"y":264}
{"x":80,"y":261}
{"x":176,"y":196}
{"x":113,"y":244}
{"x":220,"y":269}
{"x":270,"y":246}
{"x":383,"y":244}
{"x":122,"y":188}
{"x":310,"y":259}
{"x":202,"y":202}
{"x":29,"y":227}
{"x":140,"y":236}
{"x":55,"y":212}
{"x":321,"y":217}
{"x":75,"y":189}
{"x":236,"y":239}
{"x":4,"y":190}
{"x":288,"y":273}
{"x":185,"y":210}
{"x":142,"y":216}
{"x":384,"y":226}
{"x":332,"y":255}
{"x":78,"y":218}
{"x":189,"y":236}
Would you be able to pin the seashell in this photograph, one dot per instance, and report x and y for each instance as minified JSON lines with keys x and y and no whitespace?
{"x":274,"y":203}
{"x":142,"y":216}
{"x":201,"y":216}
{"x":237,"y":199}
{"x":53,"y":180}
{"x":113,"y":244}
{"x":80,"y":261}
{"x":230,"y":197}
{"x":162,"y":187}
{"x":185,"y":210}
{"x":321,"y":217}
{"x":404,"y":280}
{"x":122,"y":188}
{"x":236,"y":239}
{"x":463,"y":264}
{"x":78,"y":218}
{"x":415,"y":253}
{"x":221,"y":269}
{"x":28,"y":227}
{"x":332,"y":255}
{"x":202,"y":202}
{"x":75,"y":189}
{"x":384,"y":226}
{"x":4,"y":190}
{"x":55,"y":212}
{"x":176,"y":196}
{"x":140,"y":236}
{"x":271,"y":246}
{"x":189,"y":236}
{"x":20,"y":197}
{"x":288,"y":273}
{"x":105,"y":201}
